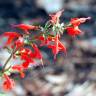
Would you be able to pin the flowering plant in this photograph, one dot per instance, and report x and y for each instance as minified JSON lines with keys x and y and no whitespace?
{"x":49,"y":36}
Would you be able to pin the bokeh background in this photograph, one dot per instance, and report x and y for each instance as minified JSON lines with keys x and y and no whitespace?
{"x":71,"y":75}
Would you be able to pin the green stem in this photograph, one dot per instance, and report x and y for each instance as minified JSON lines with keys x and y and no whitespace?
{"x":14,"y":50}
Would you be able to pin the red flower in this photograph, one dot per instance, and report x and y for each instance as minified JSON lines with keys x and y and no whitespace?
{"x":26,"y":51}
{"x":74,"y":31}
{"x":58,"y":46}
{"x":55,"y":17}
{"x":37,"y":53}
{"x":78,"y":21}
{"x":45,"y":41}
{"x":41,"y":38}
{"x":75,"y":22}
{"x":19,"y":68}
{"x":55,"y":48}
{"x":61,"y":47}
{"x":11,"y":36}
{"x":27,"y":61}
{"x":26,"y":27}
{"x":8,"y":83}
{"x":27,"y":55}
{"x":19,"y":42}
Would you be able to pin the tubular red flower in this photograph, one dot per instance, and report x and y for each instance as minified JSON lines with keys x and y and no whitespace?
{"x":8,"y":83}
{"x":26,"y":27}
{"x":20,"y":69}
{"x":37,"y":53}
{"x":45,"y":41}
{"x":61,"y":46}
{"x":27,"y":52}
{"x":19,"y":42}
{"x":58,"y":46}
{"x":75,"y":22}
{"x":78,"y":21}
{"x":27,"y":55}
{"x":74,"y":31}
{"x":11,"y":36}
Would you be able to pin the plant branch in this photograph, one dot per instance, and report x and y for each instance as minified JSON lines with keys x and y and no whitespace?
{"x":14,"y":50}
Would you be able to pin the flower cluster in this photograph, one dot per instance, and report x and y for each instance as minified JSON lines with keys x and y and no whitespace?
{"x":48,"y":35}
